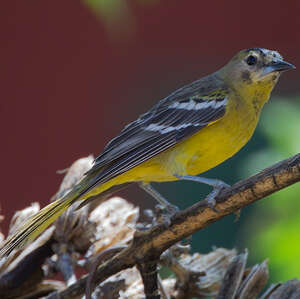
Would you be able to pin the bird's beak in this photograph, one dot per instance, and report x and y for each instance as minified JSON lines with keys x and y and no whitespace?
{"x":277,"y":66}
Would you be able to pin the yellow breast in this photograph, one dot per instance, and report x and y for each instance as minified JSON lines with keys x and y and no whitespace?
{"x":217,"y":142}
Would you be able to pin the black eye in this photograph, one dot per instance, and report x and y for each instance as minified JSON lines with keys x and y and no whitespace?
{"x":251,"y":60}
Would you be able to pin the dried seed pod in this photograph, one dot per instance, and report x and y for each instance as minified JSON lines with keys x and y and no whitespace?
{"x":17,"y":278}
{"x":8,"y":263}
{"x":199,"y":274}
{"x":254,"y":282}
{"x":134,"y":288}
{"x":270,"y":290}
{"x":233,"y":277}
{"x":288,"y":290}
{"x":74,"y":174}
{"x":115,"y":221}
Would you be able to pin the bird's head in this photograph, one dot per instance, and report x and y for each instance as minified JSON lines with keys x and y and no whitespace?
{"x":254,"y":71}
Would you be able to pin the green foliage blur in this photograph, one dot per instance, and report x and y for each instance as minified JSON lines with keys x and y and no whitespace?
{"x":273,"y":229}
{"x":117,"y":16}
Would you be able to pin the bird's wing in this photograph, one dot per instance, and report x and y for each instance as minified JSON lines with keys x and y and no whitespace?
{"x":172,"y":120}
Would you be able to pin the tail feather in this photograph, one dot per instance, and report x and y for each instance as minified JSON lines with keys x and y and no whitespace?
{"x":38,"y":223}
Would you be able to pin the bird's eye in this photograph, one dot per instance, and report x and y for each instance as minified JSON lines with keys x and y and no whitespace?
{"x":251,"y":60}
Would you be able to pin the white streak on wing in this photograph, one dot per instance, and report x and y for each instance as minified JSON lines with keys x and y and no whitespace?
{"x":187,"y":106}
{"x":166,"y":129}
{"x":203,"y":105}
{"x":191,"y":105}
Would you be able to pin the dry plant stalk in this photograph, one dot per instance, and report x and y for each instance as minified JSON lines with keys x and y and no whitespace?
{"x":77,"y":238}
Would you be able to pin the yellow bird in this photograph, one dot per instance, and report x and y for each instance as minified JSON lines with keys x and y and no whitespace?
{"x":192,"y":130}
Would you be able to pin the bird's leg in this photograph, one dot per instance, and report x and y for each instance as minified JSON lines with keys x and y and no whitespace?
{"x":168,"y":208}
{"x":217,"y":185}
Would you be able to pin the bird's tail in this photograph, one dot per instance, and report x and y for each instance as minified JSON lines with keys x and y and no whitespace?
{"x":38,"y":223}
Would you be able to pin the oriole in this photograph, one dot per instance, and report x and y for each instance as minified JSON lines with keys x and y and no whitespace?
{"x":192,"y":130}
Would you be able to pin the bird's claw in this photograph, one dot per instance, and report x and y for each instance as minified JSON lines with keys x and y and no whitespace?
{"x":165,"y":213}
{"x":211,"y":197}
{"x":211,"y":202}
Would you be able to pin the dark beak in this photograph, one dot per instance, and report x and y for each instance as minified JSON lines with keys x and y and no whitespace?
{"x":277,"y":66}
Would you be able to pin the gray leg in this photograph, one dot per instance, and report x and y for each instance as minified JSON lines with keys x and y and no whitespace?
{"x":218,"y":185}
{"x":155,"y":194}
{"x":165,"y":209}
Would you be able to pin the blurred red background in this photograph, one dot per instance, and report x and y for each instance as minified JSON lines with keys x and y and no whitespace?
{"x":68,"y":86}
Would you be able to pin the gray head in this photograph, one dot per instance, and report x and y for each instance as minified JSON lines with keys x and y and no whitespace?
{"x":253,"y":67}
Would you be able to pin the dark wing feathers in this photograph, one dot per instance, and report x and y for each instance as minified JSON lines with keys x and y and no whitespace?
{"x":131,"y":134}
{"x":132,"y":159}
{"x":172,"y":120}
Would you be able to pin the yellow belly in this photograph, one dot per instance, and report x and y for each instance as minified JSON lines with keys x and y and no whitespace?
{"x":199,"y":153}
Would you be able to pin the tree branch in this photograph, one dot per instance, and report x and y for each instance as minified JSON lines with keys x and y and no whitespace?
{"x":149,"y":245}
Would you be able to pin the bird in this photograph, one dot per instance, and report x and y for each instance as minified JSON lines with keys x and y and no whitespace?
{"x":192,"y":130}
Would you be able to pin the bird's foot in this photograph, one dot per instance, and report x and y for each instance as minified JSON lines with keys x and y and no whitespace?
{"x":165,"y":213}
{"x":211,"y":197}
{"x":160,"y":215}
